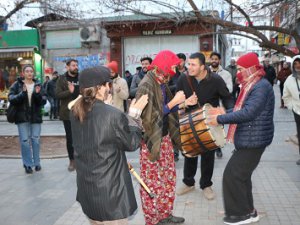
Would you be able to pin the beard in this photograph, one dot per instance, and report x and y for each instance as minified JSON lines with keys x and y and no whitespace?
{"x":214,"y":65}
{"x":74,"y":72}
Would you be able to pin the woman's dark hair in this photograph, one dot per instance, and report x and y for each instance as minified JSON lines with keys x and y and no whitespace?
{"x":85,"y":103}
{"x":27,"y":66}
{"x":199,"y":56}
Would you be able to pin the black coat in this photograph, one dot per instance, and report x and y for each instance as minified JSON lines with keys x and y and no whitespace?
{"x":105,"y":189}
{"x":19,"y":99}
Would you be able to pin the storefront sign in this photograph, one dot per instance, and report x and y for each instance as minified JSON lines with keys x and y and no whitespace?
{"x":156,"y":32}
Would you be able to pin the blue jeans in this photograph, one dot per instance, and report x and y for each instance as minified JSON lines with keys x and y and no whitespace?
{"x":29,"y":135}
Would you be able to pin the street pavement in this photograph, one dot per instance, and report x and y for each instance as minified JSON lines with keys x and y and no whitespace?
{"x":48,"y":197}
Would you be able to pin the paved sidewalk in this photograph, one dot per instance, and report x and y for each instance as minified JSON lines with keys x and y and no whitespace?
{"x":48,"y":197}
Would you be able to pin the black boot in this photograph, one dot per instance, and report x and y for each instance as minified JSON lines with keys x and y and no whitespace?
{"x":28,"y":169}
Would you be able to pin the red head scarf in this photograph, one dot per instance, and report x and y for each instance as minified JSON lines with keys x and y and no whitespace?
{"x":163,"y":63}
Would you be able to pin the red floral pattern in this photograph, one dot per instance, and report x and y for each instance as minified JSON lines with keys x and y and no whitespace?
{"x":160,"y":177}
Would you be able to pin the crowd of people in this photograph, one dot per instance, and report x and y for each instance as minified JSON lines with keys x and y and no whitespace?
{"x":101,"y":124}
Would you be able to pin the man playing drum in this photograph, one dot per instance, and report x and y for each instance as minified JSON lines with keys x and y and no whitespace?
{"x":209,"y":88}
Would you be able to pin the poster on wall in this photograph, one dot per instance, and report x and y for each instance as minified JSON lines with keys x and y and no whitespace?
{"x":84,"y":62}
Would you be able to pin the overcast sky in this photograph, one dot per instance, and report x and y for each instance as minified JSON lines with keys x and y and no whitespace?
{"x":92,"y":9}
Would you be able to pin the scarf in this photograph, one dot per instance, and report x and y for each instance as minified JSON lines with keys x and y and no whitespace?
{"x":247,"y":79}
{"x":162,"y":66}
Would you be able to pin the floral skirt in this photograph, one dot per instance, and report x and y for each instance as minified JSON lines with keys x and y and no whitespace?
{"x":160,"y":177}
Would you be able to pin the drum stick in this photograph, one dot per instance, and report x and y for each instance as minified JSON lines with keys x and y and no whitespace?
{"x":140,"y":180}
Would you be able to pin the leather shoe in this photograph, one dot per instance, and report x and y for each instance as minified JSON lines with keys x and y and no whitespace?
{"x":171,"y":220}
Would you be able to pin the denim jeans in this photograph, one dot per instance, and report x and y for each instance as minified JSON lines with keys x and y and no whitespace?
{"x":29,"y":135}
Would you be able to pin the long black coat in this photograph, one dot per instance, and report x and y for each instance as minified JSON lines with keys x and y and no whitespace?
{"x":19,"y":99}
{"x":105,"y":189}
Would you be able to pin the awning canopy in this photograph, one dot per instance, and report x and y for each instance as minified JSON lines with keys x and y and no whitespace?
{"x":16,"y":52}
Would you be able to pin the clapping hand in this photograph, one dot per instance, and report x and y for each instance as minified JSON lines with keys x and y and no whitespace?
{"x":139,"y":104}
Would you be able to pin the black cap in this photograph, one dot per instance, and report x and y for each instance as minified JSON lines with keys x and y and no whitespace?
{"x":91,"y":77}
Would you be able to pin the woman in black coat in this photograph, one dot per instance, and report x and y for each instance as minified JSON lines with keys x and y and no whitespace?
{"x":101,"y":135}
{"x":27,"y":95}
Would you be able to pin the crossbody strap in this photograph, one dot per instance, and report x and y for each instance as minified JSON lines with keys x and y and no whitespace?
{"x":297,"y":86}
{"x":189,"y":79}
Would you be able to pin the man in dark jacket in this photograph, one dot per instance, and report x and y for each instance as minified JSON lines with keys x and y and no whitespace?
{"x":136,"y":79}
{"x":67,"y":89}
{"x":231,"y":68}
{"x":252,"y":130}
{"x":51,"y":87}
{"x":270,"y":71}
{"x":209,"y":88}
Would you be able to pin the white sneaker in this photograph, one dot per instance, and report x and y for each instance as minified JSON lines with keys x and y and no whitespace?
{"x":208,"y":193}
{"x":185,"y":189}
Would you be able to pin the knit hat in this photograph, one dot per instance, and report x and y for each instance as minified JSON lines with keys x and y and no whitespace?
{"x":248,"y":60}
{"x":113,"y":65}
{"x":94,"y":76}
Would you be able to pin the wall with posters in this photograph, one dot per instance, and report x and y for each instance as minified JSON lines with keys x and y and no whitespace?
{"x":152,"y":45}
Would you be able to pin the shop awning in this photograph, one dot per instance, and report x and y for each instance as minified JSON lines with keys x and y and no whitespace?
{"x":16,"y":52}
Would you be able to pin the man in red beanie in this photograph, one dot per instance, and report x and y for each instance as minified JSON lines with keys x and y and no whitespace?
{"x":251,"y":130}
{"x":120,"y":90}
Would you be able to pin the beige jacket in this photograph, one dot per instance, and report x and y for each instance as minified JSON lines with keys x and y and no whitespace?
{"x":120,"y":93}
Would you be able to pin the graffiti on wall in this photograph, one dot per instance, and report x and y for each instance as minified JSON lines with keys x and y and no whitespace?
{"x":85,"y":61}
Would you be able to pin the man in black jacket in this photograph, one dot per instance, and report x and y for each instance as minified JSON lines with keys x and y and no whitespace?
{"x":209,"y":88}
{"x":270,"y":71}
{"x":51,"y":87}
{"x":67,"y":89}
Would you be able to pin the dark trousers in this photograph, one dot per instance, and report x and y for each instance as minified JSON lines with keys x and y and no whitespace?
{"x":54,"y":107}
{"x":297,"y":120}
{"x":237,"y":185}
{"x":281,"y":85}
{"x":67,"y":126}
{"x":207,"y":169}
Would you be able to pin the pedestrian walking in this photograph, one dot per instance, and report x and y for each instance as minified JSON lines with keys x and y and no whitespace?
{"x":28,"y":97}
{"x":291,"y":94}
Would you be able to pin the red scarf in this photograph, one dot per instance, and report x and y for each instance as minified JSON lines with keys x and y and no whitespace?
{"x":247,"y":79}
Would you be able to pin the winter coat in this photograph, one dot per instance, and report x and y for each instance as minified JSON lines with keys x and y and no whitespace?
{"x":104,"y":185}
{"x":51,"y":87}
{"x":136,"y":79}
{"x":65,"y":96}
{"x":270,"y":74}
{"x":226,"y":77}
{"x":19,"y":99}
{"x":291,"y":94}
{"x":283,"y":74}
{"x":255,"y":126}
{"x":119,"y":97}
{"x":232,"y":70}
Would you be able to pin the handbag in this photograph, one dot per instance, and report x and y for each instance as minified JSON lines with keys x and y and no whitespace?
{"x":11,"y":113}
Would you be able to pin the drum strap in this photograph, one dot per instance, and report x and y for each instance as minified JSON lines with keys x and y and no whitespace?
{"x":196,"y":135}
{"x":189,"y":79}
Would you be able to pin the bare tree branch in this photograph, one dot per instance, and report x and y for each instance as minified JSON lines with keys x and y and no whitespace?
{"x":241,"y":11}
{"x":18,"y":7}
